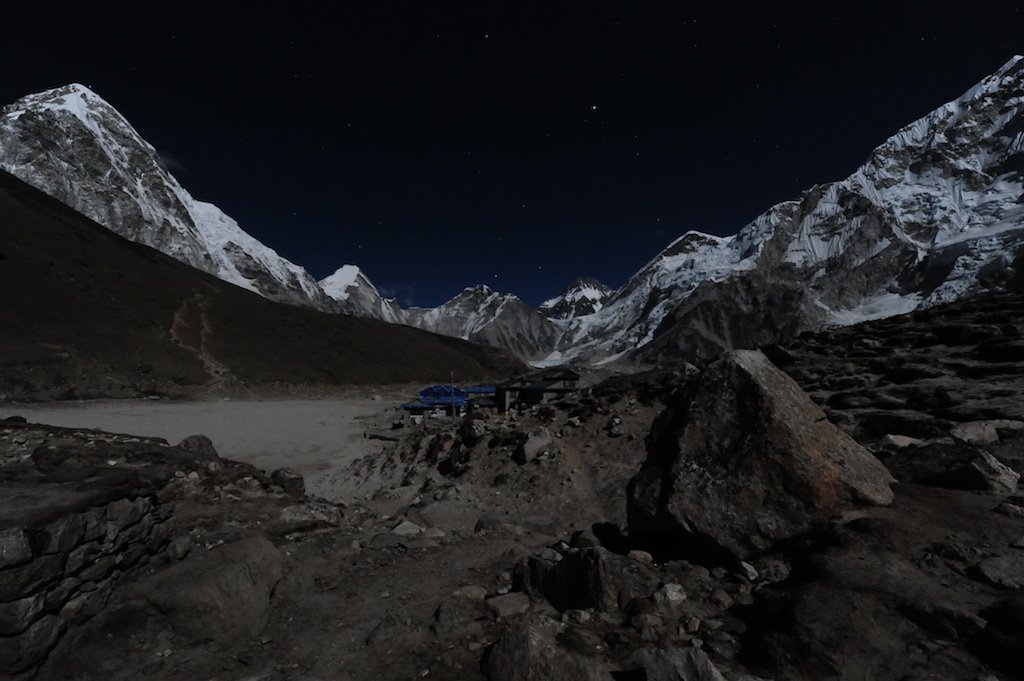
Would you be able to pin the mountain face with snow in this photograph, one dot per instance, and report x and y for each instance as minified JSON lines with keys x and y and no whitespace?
{"x":936,"y":213}
{"x":354,"y":294}
{"x":582,"y":297}
{"x":76,"y":147}
{"x":484,"y":316}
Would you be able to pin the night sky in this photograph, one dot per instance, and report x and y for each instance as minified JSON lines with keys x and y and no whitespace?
{"x":439,"y":145}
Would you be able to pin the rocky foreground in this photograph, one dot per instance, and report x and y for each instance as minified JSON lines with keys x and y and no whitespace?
{"x":856,"y":515}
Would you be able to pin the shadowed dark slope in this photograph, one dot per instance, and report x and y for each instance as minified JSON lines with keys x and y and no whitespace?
{"x":86,"y":313}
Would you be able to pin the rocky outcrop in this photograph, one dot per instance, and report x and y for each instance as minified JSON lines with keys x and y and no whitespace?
{"x":223,"y":595}
{"x":745,"y":459}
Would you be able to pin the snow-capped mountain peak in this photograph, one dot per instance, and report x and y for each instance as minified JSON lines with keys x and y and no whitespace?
{"x":70,"y":143}
{"x":583,"y":296}
{"x":354,"y":294}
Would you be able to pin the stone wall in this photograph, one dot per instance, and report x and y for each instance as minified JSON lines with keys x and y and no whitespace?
{"x":59,"y":561}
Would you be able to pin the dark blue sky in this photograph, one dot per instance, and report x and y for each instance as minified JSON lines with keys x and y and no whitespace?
{"x":439,"y":145}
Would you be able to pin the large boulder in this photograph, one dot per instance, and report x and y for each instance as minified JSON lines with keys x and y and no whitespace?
{"x":223,"y":594}
{"x":743,"y":458}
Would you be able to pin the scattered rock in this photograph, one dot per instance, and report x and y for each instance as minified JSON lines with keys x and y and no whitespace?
{"x":674,"y":664}
{"x":958,"y":466}
{"x":901,"y":441}
{"x":406,"y":528}
{"x":179,"y":547}
{"x":527,"y":651}
{"x":536,"y":442}
{"x":473,"y":430}
{"x":1011,"y":510}
{"x":508,"y":605}
{"x":14,"y":547}
{"x":1004,"y":571}
{"x":669,"y":596}
{"x":749,"y":571}
{"x":290,"y":481}
{"x":984,"y":432}
{"x":471,"y":591}
{"x":200,"y":446}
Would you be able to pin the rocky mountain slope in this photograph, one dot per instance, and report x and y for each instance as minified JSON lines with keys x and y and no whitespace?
{"x":71,"y":144}
{"x":90,"y":314}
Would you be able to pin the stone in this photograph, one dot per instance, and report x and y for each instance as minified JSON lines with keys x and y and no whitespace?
{"x":735,"y":491}
{"x":14,"y":547}
{"x":18,"y":653}
{"x":957,"y":466}
{"x":434,"y":533}
{"x":536,"y":442}
{"x":179,"y":547}
{"x":583,"y":539}
{"x":62,"y":534}
{"x":527,"y":651}
{"x":669,"y":596}
{"x":590,"y":578}
{"x":57,"y":596}
{"x":509,"y":605}
{"x":473,"y":430}
{"x":1010,"y":510}
{"x":947,"y":622}
{"x":748,"y":571}
{"x":471,"y":591}
{"x":406,"y":528}
{"x":985,"y":432}
{"x":900,"y":441}
{"x":640,"y":556}
{"x":308,"y":516}
{"x":550,"y":554}
{"x":460,"y":616}
{"x":200,"y":446}
{"x":23,"y":580}
{"x":290,"y":481}
{"x":674,"y":664}
{"x":17,"y":616}
{"x":124,"y":512}
{"x":1004,"y":571}
{"x":82,"y":556}
{"x":222,"y":594}
{"x":98,"y":569}
{"x":86,"y":604}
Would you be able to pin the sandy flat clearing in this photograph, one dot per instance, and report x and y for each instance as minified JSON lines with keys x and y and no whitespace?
{"x":317,"y":438}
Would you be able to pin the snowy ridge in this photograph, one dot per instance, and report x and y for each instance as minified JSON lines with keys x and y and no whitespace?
{"x":73,"y":145}
{"x":936,"y":205}
{"x":353,"y":293}
{"x":582,"y":297}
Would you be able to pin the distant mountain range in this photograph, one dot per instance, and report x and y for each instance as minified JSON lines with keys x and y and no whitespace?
{"x":935,"y":213}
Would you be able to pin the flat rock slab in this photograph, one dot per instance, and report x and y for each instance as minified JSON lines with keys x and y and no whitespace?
{"x":509,"y":605}
{"x":1004,"y":571}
